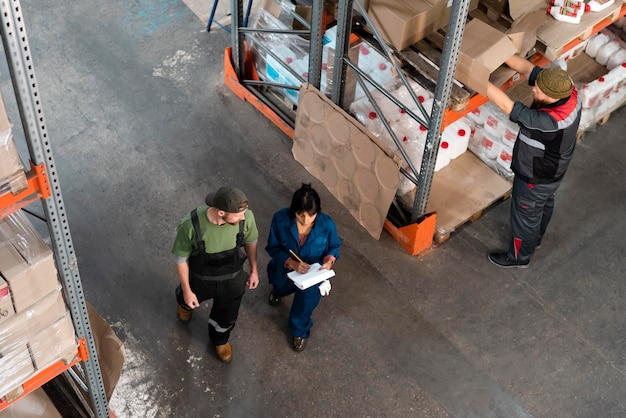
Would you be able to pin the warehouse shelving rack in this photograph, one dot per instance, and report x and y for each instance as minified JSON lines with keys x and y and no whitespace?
{"x":43,"y":183}
{"x":240,"y":75}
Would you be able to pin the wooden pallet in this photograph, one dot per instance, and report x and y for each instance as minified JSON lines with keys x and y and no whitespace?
{"x":422,"y":61}
{"x":424,"y":57}
{"x":440,"y":237}
{"x":602,"y":120}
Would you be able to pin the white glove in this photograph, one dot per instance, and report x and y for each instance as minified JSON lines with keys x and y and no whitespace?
{"x":325,"y":288}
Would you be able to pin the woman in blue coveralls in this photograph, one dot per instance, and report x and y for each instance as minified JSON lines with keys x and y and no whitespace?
{"x":300,"y":236}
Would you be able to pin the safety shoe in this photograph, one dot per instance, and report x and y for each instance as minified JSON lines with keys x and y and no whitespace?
{"x":184,"y":315}
{"x":503,"y":260}
{"x":299,"y":343}
{"x":273,"y":300}
{"x":224,"y":352}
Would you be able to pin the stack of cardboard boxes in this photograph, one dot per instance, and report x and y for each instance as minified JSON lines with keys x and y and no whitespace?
{"x":12,"y":177}
{"x":35,"y":325}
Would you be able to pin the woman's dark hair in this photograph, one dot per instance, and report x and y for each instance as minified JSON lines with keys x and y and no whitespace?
{"x":305,"y":199}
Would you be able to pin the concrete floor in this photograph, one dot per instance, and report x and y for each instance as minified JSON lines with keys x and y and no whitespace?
{"x":142,"y":127}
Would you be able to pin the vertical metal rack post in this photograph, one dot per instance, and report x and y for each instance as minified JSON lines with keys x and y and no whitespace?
{"x":20,"y":65}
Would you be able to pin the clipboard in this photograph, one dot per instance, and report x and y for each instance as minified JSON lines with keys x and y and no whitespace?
{"x":311,"y":277}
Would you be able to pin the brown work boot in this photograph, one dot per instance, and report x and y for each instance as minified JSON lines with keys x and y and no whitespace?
{"x":184,"y":314}
{"x":224,"y":352}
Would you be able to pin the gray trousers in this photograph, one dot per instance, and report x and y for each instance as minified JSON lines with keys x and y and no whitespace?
{"x":531,"y":210}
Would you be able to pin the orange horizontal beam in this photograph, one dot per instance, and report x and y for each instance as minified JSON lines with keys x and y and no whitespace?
{"x":37,"y":188}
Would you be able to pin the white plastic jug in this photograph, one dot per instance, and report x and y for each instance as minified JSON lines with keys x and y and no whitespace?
{"x":606,"y":51}
{"x":616,"y":59}
{"x":594,"y":44}
{"x":457,"y":135}
{"x":569,"y":3}
{"x":598,"y":5}
{"x":443,"y":156}
{"x":566,"y":14}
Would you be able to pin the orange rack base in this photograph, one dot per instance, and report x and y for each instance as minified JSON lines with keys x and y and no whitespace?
{"x":416,"y":238}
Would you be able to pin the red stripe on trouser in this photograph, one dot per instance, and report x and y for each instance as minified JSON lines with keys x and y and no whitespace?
{"x":517,"y":243}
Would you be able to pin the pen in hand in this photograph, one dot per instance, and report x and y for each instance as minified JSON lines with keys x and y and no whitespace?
{"x":302,"y":267}
{"x":294,"y":255}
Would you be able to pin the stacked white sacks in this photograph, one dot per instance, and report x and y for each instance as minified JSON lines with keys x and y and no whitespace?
{"x":509,"y":135}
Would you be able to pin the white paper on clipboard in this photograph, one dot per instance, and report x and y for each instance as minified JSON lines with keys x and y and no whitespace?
{"x":311,"y":277}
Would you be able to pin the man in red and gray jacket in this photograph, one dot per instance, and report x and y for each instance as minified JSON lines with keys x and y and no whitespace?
{"x":542,"y":152}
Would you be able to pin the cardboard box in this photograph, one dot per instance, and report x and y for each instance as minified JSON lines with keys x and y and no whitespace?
{"x":13,"y":333}
{"x":111,"y":354}
{"x":6,"y":304}
{"x":28,"y":283}
{"x":36,"y":404}
{"x":478,"y":57}
{"x":10,"y":162}
{"x":19,"y":328}
{"x":57,"y":341}
{"x":518,"y":8}
{"x":20,"y":232}
{"x":399,"y":23}
{"x":15,"y":368}
{"x":404,"y":22}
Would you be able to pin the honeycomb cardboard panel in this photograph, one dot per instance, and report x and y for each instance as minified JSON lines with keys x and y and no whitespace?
{"x":356,"y":168}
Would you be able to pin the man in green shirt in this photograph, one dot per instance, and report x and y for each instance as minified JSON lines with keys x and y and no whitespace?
{"x":209,"y":262}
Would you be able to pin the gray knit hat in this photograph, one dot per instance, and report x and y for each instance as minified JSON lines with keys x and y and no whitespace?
{"x":554,"y":82}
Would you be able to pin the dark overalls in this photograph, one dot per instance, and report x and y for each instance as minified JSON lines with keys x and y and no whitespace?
{"x":217,"y":276}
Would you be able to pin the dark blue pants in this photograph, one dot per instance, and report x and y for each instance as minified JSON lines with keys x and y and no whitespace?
{"x":226,"y":295}
{"x":531,"y":210}
{"x":304,"y":302}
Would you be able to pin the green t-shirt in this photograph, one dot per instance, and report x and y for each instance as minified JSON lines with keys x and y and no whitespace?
{"x":217,"y":238}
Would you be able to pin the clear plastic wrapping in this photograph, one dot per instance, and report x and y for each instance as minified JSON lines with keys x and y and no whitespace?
{"x":288,"y":62}
{"x":35,"y":325}
{"x":33,"y":339}
{"x":12,"y":176}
